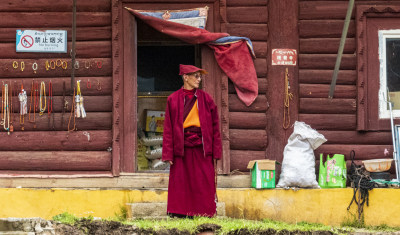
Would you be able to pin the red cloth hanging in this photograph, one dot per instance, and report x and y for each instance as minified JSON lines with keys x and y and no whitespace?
{"x":234,"y":58}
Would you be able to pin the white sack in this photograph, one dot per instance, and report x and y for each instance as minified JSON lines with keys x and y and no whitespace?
{"x":298,"y":165}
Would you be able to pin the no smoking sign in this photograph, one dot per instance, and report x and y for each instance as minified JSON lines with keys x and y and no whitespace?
{"x":47,"y":41}
{"x":27,"y":41}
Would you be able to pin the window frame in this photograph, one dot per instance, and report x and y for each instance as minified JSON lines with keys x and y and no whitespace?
{"x":370,"y":19}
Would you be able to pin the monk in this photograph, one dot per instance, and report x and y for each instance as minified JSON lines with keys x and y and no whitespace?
{"x":192,"y":145}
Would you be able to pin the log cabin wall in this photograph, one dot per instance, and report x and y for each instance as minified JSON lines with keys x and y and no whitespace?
{"x":50,"y":148}
{"x":247,"y":125}
{"x":320,"y":29}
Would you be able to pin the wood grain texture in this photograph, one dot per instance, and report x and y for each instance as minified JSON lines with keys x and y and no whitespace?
{"x":345,"y":77}
{"x":251,"y":14}
{"x":58,"y":6}
{"x":357,"y":137}
{"x":246,"y":120}
{"x":55,"y":161}
{"x":248,"y":139}
{"x":324,"y":29}
{"x":326,"y":105}
{"x":330,"y":121}
{"x":56,"y":141}
{"x":321,"y":91}
{"x":323,"y":10}
{"x":58,"y":19}
{"x":326,"y":46}
{"x":247,"y":3}
{"x":259,"y":105}
{"x":326,"y":61}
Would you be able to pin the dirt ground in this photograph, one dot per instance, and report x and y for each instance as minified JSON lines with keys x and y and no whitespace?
{"x":115,"y":228}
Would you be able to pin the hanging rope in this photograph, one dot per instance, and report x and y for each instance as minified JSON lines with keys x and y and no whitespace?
{"x":286,"y":102}
{"x":361,"y":184}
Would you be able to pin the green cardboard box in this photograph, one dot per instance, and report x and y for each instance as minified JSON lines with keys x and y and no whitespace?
{"x":262,"y":173}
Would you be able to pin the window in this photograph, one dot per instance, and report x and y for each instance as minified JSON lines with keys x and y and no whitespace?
{"x":378,"y":54}
{"x":389,"y":58}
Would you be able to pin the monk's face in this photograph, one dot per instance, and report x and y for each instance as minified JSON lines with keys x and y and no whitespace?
{"x":192,"y":81}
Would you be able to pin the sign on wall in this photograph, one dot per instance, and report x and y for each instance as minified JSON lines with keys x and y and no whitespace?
{"x":284,"y":57}
{"x":48,"y":41}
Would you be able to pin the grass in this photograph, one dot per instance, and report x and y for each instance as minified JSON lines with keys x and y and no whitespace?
{"x":230,"y":224}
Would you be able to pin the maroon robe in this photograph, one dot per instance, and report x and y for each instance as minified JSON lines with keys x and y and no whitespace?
{"x":191,"y":188}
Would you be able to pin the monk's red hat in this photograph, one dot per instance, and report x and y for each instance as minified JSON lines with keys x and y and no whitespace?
{"x":185,"y":69}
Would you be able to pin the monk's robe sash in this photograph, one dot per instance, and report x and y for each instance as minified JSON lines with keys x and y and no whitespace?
{"x":191,"y":123}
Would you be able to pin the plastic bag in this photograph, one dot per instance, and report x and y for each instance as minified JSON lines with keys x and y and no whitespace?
{"x":298,"y":165}
{"x":332,"y":172}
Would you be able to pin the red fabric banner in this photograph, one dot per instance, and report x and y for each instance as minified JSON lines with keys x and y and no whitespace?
{"x":234,"y":58}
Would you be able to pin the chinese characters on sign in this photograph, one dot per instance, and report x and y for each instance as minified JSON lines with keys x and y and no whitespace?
{"x":41,"y":41}
{"x":284,"y":57}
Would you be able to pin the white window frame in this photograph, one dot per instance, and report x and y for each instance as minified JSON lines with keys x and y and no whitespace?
{"x":384,"y":113}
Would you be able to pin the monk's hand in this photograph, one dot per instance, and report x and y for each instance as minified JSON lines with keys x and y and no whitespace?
{"x":171,"y":163}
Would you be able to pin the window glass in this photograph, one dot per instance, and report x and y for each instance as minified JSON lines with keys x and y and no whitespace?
{"x":158,"y":66}
{"x":389,"y":57}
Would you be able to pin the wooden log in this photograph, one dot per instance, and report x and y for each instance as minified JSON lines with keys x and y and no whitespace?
{"x":261,"y":67}
{"x":330,"y":121}
{"x":91,"y":104}
{"x":326,"y":46}
{"x":250,"y":14}
{"x":7,"y":70}
{"x":246,"y":3}
{"x":262,"y":86}
{"x":326,"y":105}
{"x":357,"y":137}
{"x":260,"y":49}
{"x":321,"y":91}
{"x":345,"y":77}
{"x":241,"y":158}
{"x":59,"y":6}
{"x":248,"y":139}
{"x":312,"y":10}
{"x":324,"y":29}
{"x":260,"y":104}
{"x":90,"y":86}
{"x":363,"y":152}
{"x":87,"y":49}
{"x":56,"y":141}
{"x":256,"y":32}
{"x":82,"y":33}
{"x":246,"y":120}
{"x":55,"y":161}
{"x":58,"y":19}
{"x":327,"y":61}
{"x":93,"y":121}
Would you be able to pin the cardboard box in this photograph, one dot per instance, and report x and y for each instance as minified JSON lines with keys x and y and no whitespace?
{"x":155,"y":121}
{"x":262,"y":173}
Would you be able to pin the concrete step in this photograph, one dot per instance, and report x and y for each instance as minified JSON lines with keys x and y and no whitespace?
{"x":147,"y":210}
